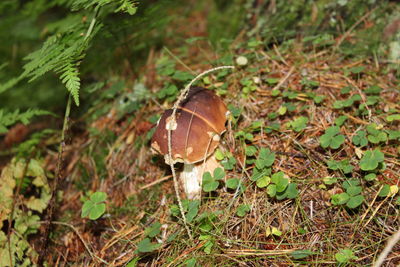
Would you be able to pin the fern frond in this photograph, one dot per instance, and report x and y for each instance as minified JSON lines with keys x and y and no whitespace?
{"x":10,"y":118}
{"x":85,"y":4}
{"x":70,"y":77}
{"x":128,"y":6}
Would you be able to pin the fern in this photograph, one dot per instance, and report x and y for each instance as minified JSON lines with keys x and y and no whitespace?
{"x":70,"y":77}
{"x":10,"y":118}
{"x":127,"y":6}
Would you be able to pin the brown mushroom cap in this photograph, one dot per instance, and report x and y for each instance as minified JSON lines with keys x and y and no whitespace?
{"x":200,"y":121}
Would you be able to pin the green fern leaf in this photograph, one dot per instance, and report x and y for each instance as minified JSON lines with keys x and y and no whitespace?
{"x":70,"y":77}
{"x":8,"y":119}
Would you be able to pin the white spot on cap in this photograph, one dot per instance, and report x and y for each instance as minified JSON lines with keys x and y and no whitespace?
{"x":171,"y":123}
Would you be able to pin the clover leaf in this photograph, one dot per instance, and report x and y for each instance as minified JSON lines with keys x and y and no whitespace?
{"x":265,"y":158}
{"x":343,"y":165}
{"x":345,"y":255}
{"x":299,"y":124}
{"x":360,"y":139}
{"x":242,"y":210}
{"x":232,"y":183}
{"x":147,"y":246}
{"x":94,"y":207}
{"x":210,"y":183}
{"x":375,"y":136}
{"x":371,"y":160}
{"x":332,"y":138}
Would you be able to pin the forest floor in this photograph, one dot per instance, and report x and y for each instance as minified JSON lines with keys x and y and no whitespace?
{"x":310,"y":157}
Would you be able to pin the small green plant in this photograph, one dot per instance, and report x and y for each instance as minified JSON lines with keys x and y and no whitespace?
{"x":339,"y":121}
{"x":94,"y":207}
{"x":340,"y":104}
{"x":345,"y":256}
{"x":146,"y":245}
{"x":360,"y":138}
{"x":375,"y":136}
{"x":352,"y":197}
{"x":190,"y":207}
{"x":332,"y":138}
{"x":299,"y":124}
{"x":371,"y":160}
{"x":232,"y":183}
{"x":343,"y":165}
{"x":281,"y":188}
{"x":242,"y":210}
{"x":248,"y":86}
{"x":211,"y":182}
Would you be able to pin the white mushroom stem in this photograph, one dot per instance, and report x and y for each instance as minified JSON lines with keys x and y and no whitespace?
{"x":192,"y":176}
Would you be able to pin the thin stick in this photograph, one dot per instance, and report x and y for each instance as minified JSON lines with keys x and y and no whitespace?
{"x":156,"y":182}
{"x":389,"y":246}
{"x":59,"y":159}
{"x":172,"y":125}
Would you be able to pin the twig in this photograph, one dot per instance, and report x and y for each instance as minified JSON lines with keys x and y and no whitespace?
{"x":171,"y":125}
{"x":282,"y":81}
{"x":57,"y":177}
{"x":51,"y":207}
{"x":156,"y":182}
{"x":389,"y":246}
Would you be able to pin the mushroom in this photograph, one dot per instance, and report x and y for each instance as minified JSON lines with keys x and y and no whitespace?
{"x":200,"y":121}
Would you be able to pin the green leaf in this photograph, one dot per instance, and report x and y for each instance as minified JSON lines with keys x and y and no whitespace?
{"x":394,"y":117}
{"x":210,"y":186}
{"x":340,"y":120}
{"x":153,"y":230}
{"x":228,"y":163}
{"x":371,"y":160}
{"x":190,"y":262}
{"x":219,"y":155}
{"x":301,"y":254}
{"x":332,"y":138}
{"x":232,"y":183}
{"x":147,"y":246}
{"x":219,"y":173}
{"x":299,"y":124}
{"x":350,"y":182}
{"x":242,"y":210}
{"x":193,"y":209}
{"x":291,"y":191}
{"x":271,"y":190}
{"x":250,"y":151}
{"x":360,"y":139}
{"x":94,"y":207}
{"x":345,"y":255}
{"x":355,"y":201}
{"x":370,"y":177}
{"x":384,"y":191}
{"x":340,"y":199}
{"x":353,"y":190}
{"x":330,"y":180}
{"x":265,"y":158}
{"x":373,"y":90}
{"x":275,"y":231}
{"x":96,"y":211}
{"x":98,"y":197}
{"x":70,"y":77}
{"x":263,"y":181}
